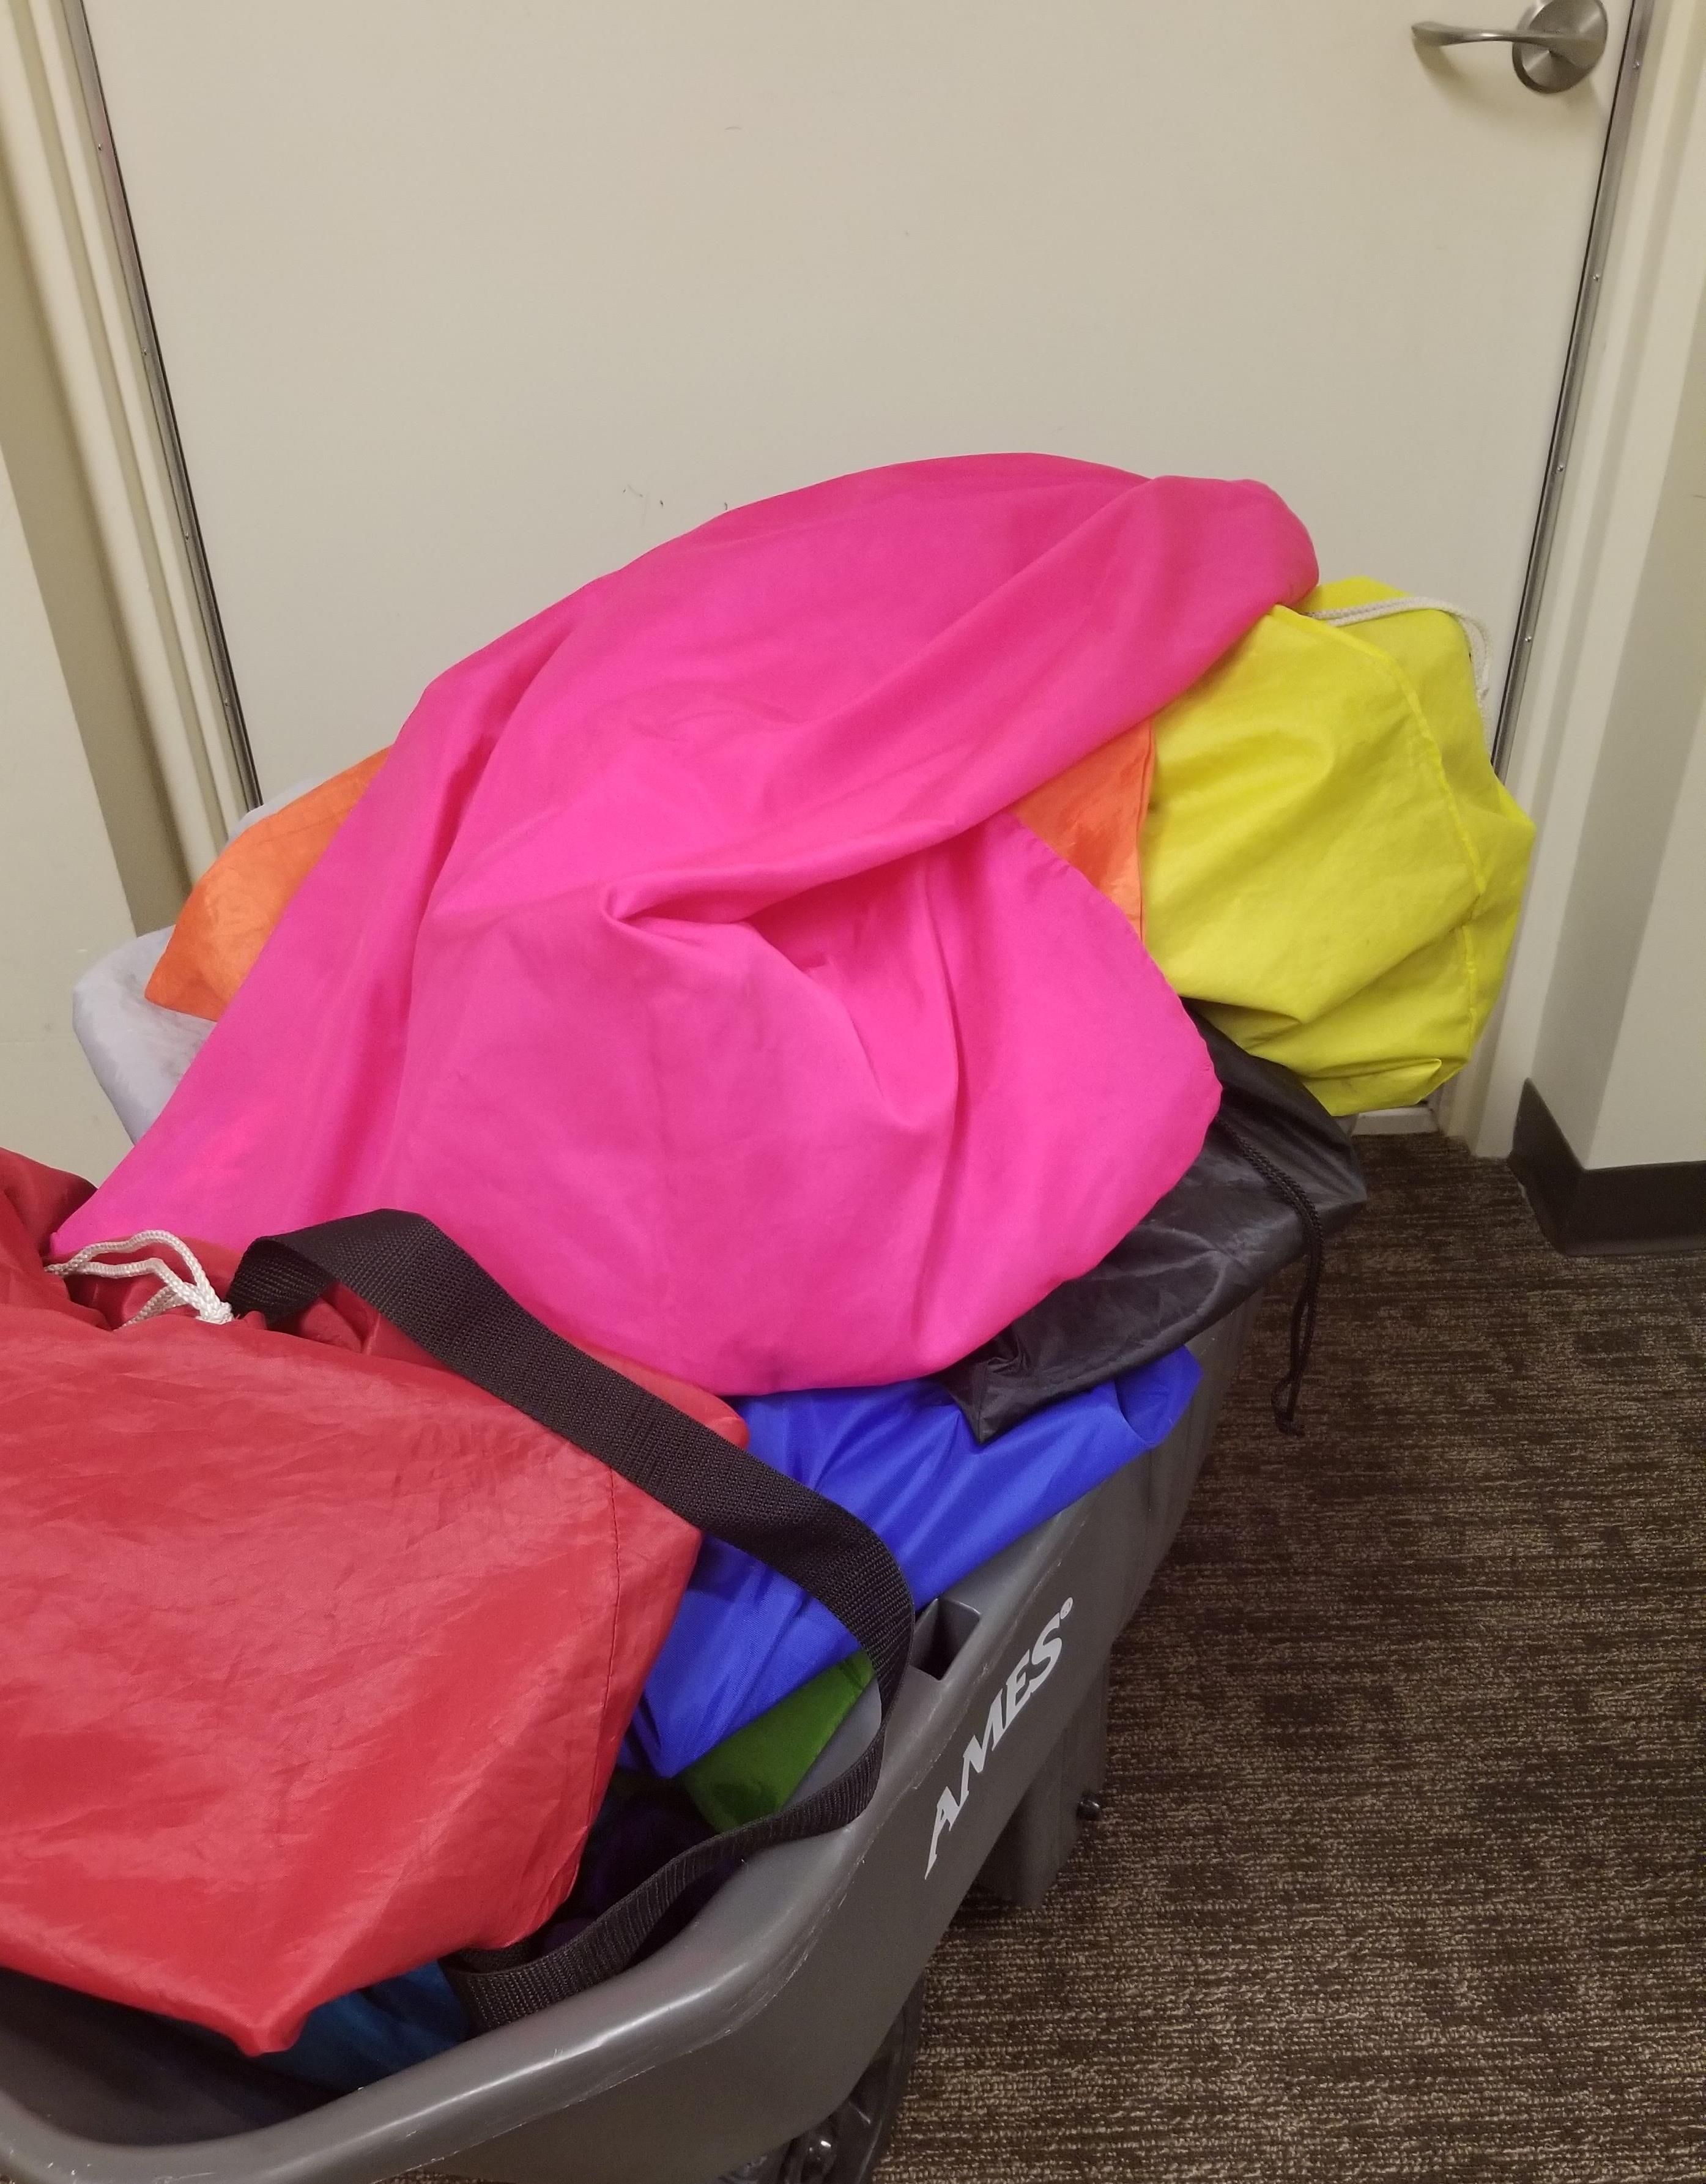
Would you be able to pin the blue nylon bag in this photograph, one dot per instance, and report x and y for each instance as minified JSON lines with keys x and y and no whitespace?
{"x":903,"y":1458}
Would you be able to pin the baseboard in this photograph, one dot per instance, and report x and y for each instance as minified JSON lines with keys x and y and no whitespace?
{"x":1607,"y":1210}
{"x":1394,"y":1121}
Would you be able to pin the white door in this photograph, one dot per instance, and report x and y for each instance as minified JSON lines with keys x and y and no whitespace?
{"x":461,"y":304}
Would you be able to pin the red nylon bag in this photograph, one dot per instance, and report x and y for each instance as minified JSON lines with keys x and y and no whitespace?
{"x":318,"y":1656}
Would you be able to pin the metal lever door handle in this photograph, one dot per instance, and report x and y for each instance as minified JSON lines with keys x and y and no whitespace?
{"x":1555,"y":45}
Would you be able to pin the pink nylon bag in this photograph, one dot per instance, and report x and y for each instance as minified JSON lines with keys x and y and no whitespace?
{"x":684,"y":959}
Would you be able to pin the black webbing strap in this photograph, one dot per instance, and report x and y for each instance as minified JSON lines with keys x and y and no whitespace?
{"x":429,"y":1287}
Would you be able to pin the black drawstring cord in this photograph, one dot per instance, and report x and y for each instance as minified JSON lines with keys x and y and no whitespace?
{"x":1288,"y":1389}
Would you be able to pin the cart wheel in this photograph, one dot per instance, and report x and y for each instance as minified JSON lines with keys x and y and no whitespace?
{"x":846,"y":2147}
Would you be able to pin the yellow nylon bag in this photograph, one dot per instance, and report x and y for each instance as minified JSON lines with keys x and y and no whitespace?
{"x":1330,"y":863}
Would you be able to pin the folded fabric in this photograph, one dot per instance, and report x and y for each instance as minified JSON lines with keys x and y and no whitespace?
{"x":759,"y":1767}
{"x":240,"y":898}
{"x":1091,"y":815}
{"x":137,"y":1050}
{"x":903,"y":1459}
{"x":1330,"y":863}
{"x":381,"y":2028}
{"x":1223,"y":1232}
{"x":374,"y":2032}
{"x":691,"y":922}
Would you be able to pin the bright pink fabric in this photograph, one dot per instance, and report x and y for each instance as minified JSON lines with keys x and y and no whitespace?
{"x":684,"y":962}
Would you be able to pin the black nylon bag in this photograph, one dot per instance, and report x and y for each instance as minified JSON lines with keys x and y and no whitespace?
{"x":1221,"y":1234}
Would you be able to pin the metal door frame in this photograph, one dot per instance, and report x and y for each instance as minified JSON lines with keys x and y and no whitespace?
{"x":1618,"y":122}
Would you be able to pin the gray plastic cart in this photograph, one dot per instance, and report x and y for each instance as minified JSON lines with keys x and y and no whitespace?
{"x":771,"y":2038}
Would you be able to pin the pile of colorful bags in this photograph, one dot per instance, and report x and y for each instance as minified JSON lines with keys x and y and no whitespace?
{"x":771,"y":965}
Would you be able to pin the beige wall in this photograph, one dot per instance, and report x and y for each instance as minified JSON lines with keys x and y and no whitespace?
{"x":1621,"y":1059}
{"x":1653,"y":1107}
{"x":61,"y":901}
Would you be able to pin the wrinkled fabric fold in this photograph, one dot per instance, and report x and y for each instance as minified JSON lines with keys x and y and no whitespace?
{"x":1218,"y":1236}
{"x":903,"y":1459}
{"x":1332,"y":869}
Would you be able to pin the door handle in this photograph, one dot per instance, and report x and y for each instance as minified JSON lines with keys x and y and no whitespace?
{"x":1555,"y":45}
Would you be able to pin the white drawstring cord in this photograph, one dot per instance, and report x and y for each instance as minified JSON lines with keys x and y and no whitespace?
{"x":1474,"y":630}
{"x":198,"y":1293}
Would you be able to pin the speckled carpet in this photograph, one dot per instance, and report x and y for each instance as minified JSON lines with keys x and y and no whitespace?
{"x":1401,"y":1871}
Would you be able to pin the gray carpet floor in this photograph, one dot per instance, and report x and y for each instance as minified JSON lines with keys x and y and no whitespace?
{"x":1400,"y":1875}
